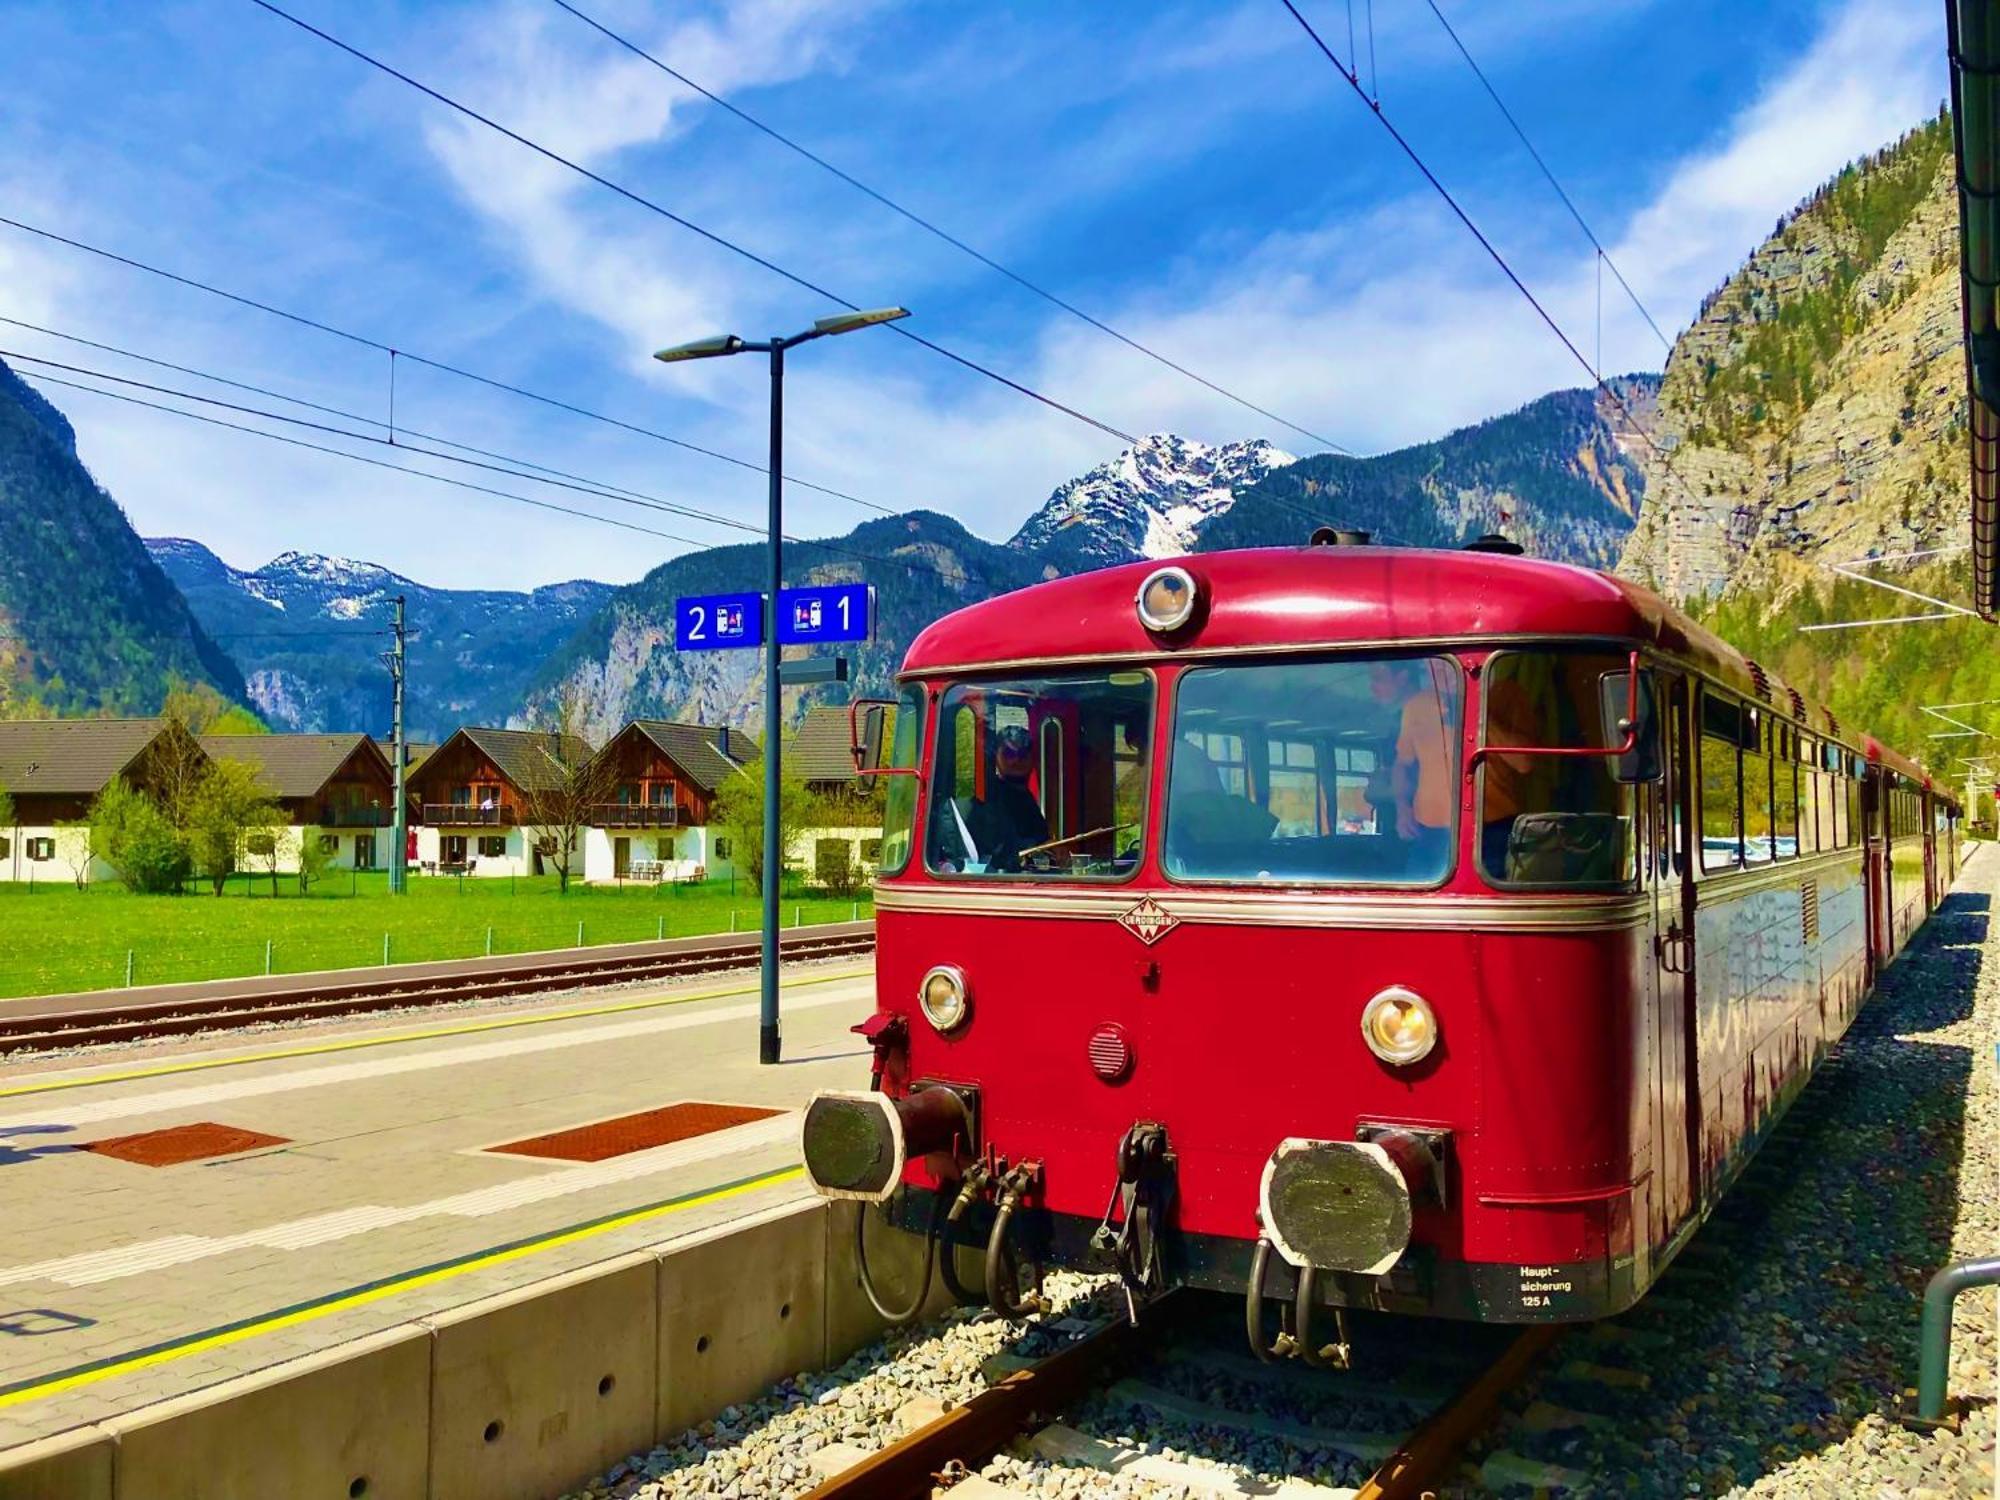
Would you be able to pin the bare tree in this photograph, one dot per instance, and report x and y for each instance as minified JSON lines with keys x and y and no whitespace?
{"x":565,"y":782}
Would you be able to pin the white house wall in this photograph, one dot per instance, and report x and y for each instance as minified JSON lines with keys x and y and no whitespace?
{"x":683,"y":853}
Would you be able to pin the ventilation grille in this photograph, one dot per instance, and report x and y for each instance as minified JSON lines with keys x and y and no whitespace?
{"x":1760,"y":679}
{"x":1832,"y":723}
{"x":1798,"y":704}
{"x":1809,"y":911}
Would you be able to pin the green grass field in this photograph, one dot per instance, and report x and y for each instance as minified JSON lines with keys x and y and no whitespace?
{"x":56,"y":938}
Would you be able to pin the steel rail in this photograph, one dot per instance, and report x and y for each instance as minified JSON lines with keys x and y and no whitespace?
{"x":925,"y":1461}
{"x":537,"y":973}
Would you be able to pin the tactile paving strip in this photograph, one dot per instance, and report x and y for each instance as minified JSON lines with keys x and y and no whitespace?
{"x":182,"y":1143}
{"x":627,"y":1133}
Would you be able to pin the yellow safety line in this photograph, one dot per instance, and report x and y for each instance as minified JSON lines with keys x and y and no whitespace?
{"x":61,"y":1383}
{"x":197,"y":1065}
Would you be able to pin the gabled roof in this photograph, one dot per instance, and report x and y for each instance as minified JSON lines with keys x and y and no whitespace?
{"x":70,"y":757}
{"x":293,"y":765}
{"x":710,"y":754}
{"x":532,"y":760}
{"x":824,"y":748}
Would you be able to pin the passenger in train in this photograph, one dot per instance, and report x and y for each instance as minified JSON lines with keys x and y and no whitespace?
{"x":1420,"y":778}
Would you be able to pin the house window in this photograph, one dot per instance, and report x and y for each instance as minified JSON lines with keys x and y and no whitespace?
{"x":41,"y":850}
{"x":492,"y":846}
{"x":871,"y":851}
{"x":722,"y":848}
{"x":364,"y":851}
{"x":329,"y":843}
{"x":6,"y":847}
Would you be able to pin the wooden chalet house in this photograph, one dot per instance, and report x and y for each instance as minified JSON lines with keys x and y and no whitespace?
{"x":656,"y":825}
{"x":337,"y":789}
{"x":54,"y":768}
{"x":474,"y":800}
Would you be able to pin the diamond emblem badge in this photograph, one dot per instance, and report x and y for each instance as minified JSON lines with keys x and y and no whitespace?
{"x":1149,"y":921}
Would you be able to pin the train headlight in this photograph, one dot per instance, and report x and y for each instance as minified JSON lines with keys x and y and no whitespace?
{"x":1167,"y":598}
{"x":1399,"y":1027}
{"x":945,"y":999}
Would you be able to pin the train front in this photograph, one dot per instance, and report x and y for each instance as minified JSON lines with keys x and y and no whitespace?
{"x":1197,"y":962}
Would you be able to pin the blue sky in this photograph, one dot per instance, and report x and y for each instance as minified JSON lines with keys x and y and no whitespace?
{"x":1194,"y":174}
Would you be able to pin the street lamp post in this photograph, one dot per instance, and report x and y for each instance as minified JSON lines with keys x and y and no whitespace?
{"x":774,"y":853}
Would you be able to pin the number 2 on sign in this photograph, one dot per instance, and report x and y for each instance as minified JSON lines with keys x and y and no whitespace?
{"x":697,"y":630}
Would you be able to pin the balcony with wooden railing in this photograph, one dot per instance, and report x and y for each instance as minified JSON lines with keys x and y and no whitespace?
{"x":354,"y":817}
{"x":634,"y":815}
{"x":467,"y":815}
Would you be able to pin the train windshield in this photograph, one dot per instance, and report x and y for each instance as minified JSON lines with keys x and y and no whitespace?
{"x":1334,"y":772}
{"x":1041,"y":777}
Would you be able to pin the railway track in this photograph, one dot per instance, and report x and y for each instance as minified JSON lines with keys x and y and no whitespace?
{"x":196,"y":1008}
{"x":1412,"y":1429}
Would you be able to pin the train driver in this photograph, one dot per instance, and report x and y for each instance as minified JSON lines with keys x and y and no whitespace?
{"x":1008,"y":819}
{"x":1420,"y":777}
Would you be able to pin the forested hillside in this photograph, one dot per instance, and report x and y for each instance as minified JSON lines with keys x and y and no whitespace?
{"x":88,"y":622}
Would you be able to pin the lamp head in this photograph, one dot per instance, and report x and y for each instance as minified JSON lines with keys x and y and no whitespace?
{"x":721,"y":344}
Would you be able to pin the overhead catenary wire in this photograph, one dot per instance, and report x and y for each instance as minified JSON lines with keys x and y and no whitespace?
{"x":627,"y":498}
{"x":711,"y":236}
{"x":1521,"y":134}
{"x":1493,"y":251}
{"x":302,"y":320}
{"x":932,"y":228}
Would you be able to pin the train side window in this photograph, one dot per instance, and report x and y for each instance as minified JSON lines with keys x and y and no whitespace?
{"x":1552,"y":819}
{"x":1857,"y":829}
{"x":1756,"y":788}
{"x":1721,"y":783}
{"x":1784,"y":791}
{"x":899,"y":797}
{"x":1809,"y":795}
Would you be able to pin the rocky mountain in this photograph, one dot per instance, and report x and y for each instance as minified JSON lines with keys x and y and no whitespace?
{"x":88,"y":621}
{"x":308,"y":632}
{"x":1152,"y":500}
{"x":1815,"y":407}
{"x":1559,"y":474}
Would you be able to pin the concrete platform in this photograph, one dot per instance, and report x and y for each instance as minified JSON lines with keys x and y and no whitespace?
{"x":123,"y":1285}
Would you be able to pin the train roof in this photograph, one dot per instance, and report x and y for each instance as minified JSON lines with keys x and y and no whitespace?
{"x":1274,"y":598}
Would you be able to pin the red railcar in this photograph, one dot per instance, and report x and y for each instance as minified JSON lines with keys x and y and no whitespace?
{"x":1355,"y":926}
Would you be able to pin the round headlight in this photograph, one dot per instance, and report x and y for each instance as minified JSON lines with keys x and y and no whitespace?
{"x":1167,"y":599}
{"x":944,"y":997}
{"x":1398,"y":1026}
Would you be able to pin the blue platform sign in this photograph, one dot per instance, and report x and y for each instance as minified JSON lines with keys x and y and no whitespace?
{"x":841,"y":612}
{"x":718,"y":622}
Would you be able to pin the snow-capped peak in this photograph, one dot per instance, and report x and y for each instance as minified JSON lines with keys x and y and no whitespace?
{"x":1149,"y":501}
{"x":324,"y":569}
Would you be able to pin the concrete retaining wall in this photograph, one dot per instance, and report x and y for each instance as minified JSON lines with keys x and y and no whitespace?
{"x":516,"y":1396}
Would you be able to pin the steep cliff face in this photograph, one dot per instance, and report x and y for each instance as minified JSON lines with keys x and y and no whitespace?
{"x":1814,"y":410}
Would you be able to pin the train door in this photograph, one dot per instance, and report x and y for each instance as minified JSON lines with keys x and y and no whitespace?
{"x":1678,"y":1093}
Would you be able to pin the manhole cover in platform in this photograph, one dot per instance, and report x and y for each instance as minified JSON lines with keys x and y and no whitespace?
{"x":640,"y":1132}
{"x":180,"y":1143}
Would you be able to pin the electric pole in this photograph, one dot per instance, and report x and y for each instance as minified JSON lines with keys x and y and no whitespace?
{"x":400,"y":837}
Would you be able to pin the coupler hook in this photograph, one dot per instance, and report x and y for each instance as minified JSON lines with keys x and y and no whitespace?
{"x":1137,"y":1213}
